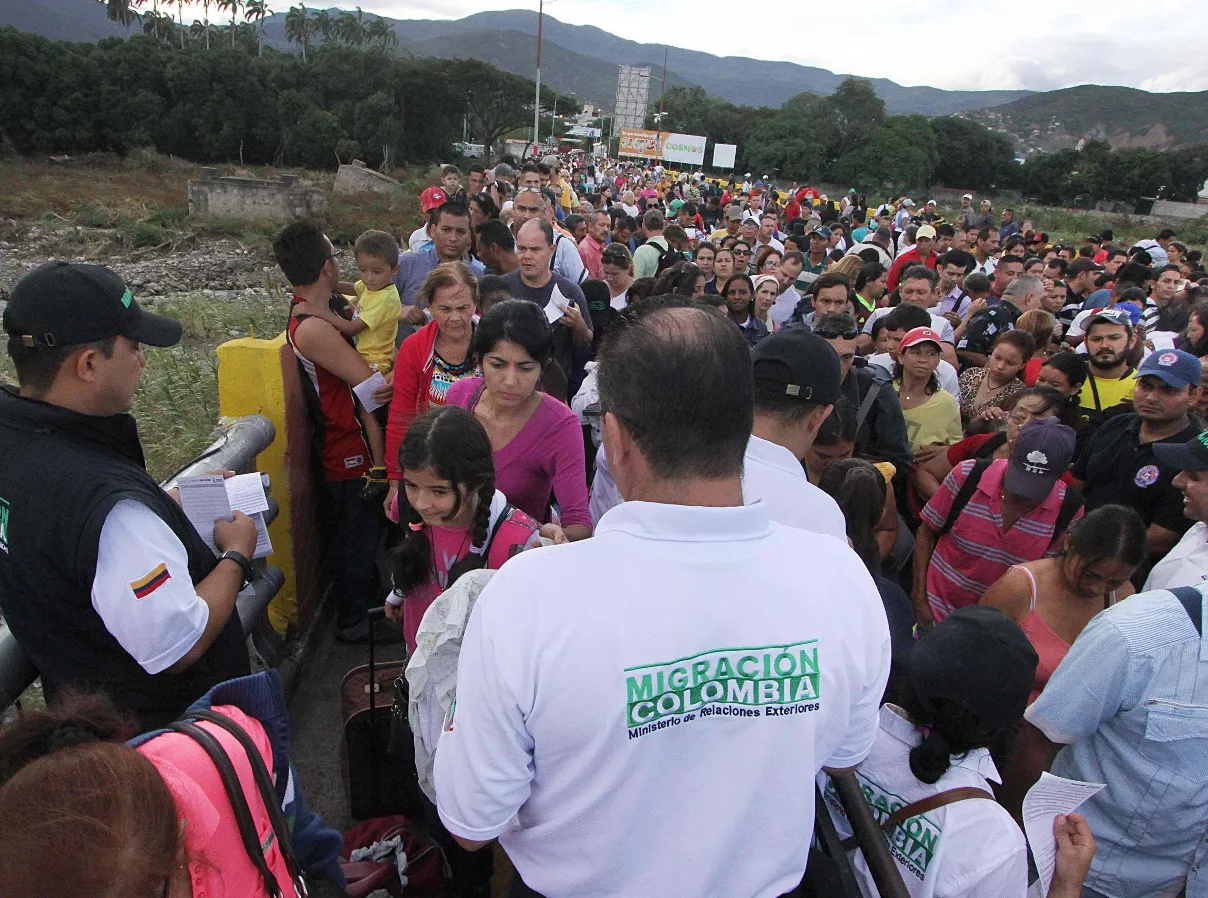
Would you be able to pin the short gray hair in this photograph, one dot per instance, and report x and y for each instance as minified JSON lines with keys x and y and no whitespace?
{"x":1023,"y":286}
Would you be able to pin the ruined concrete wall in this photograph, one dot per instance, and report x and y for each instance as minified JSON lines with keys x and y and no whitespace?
{"x":283,"y":198}
{"x":1168,"y":209}
{"x":356,"y":178}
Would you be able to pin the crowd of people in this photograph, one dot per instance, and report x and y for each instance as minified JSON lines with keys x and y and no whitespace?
{"x":930,"y":492}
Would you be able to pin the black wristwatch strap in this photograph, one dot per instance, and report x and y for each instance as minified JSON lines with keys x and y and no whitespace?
{"x":244,"y":564}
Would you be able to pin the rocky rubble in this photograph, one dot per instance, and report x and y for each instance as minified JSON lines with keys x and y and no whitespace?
{"x":217,"y":266}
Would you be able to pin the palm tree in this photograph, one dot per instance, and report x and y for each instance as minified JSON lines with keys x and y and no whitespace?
{"x":382,"y":32}
{"x":322,"y":25}
{"x":205,"y":6}
{"x":121,"y":11}
{"x":256,"y":10}
{"x":233,"y":6}
{"x":298,"y":27}
{"x":180,"y":15}
{"x":350,"y":29}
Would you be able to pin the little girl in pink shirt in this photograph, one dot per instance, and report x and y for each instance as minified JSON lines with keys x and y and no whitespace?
{"x":454,"y":519}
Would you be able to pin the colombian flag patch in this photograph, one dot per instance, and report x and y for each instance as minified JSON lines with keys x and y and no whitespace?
{"x":144,"y":586}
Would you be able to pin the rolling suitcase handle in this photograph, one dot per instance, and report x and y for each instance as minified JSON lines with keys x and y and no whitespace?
{"x":373,"y":615}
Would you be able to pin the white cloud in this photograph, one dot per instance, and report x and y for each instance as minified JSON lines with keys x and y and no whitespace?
{"x":966,"y":46}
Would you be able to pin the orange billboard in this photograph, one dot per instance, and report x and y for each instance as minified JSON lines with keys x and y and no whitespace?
{"x":644,"y":144}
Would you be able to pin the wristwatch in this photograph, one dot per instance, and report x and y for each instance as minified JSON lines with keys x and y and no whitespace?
{"x":244,"y":565}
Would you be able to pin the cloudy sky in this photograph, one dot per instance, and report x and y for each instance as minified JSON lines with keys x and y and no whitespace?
{"x":975,"y":45}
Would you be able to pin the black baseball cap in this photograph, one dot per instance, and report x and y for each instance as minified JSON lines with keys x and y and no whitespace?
{"x":797,"y":363}
{"x":1189,"y":456}
{"x":68,"y":303}
{"x":979,"y":659}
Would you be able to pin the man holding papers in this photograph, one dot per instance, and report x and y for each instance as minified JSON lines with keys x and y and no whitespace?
{"x":103,"y":579}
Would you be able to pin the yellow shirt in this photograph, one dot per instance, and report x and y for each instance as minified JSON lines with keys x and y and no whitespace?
{"x":567,"y":197}
{"x":1111,"y":392}
{"x":938,"y":420}
{"x":379,"y":310}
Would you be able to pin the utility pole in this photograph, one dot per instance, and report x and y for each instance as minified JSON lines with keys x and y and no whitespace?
{"x":537,"y":98}
{"x":662,"y":92}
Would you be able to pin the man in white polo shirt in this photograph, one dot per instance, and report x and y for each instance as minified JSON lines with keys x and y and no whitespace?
{"x":797,"y":377}
{"x":642,"y":713}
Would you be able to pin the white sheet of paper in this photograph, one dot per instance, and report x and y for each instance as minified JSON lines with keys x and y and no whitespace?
{"x":556,"y":307}
{"x":212,"y":497}
{"x":264,"y":545}
{"x":204,"y":500}
{"x":1052,"y":795}
{"x":246,"y":493}
{"x":366,"y":388}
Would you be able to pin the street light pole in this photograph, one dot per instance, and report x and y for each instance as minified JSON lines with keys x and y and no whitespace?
{"x":537,"y":98}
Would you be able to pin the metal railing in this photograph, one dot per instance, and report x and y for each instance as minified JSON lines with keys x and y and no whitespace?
{"x":235,"y":450}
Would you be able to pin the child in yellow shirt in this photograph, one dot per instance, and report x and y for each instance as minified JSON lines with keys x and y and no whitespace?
{"x":375,"y":321}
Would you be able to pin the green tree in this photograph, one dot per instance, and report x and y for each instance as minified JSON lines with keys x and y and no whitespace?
{"x":795,"y":141}
{"x":381,"y":33}
{"x":323,"y":25}
{"x":859,"y":111}
{"x":496,"y":101}
{"x":901,"y":154}
{"x":971,"y":155}
{"x":121,"y":11}
{"x":351,"y":29}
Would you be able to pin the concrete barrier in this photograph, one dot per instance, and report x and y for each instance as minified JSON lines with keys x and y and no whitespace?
{"x":218,"y":197}
{"x":260,"y":377}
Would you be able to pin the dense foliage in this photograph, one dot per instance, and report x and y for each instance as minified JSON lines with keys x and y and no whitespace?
{"x":847,"y":138}
{"x":224,"y":103}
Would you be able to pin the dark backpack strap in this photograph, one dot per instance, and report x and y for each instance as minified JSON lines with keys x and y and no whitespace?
{"x":990,"y":446}
{"x":264,"y":783}
{"x":508,"y":510}
{"x":1071,"y":504}
{"x":234,"y":790}
{"x":964,"y":494}
{"x":869,"y":399}
{"x":938,"y":800}
{"x":1193,"y":603}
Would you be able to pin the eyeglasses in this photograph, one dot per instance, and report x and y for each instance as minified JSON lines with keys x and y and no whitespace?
{"x":827,"y":333}
{"x":741,"y":252}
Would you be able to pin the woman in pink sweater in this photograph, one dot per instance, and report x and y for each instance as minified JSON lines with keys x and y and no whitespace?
{"x":537,"y":441}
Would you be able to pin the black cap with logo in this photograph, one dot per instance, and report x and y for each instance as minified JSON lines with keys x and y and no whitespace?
{"x":67,"y":303}
{"x":799,"y":364}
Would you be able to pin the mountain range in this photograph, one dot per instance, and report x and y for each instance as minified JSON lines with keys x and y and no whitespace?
{"x":583,"y":60}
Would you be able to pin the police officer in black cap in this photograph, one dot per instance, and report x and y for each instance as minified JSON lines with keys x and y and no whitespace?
{"x":103,"y":580}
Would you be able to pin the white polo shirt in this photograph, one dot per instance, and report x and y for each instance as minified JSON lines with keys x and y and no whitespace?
{"x":970,"y":847}
{"x":769,"y":472}
{"x":1184,"y":565}
{"x":772,"y":474}
{"x":643,"y":712}
{"x":142,"y":589}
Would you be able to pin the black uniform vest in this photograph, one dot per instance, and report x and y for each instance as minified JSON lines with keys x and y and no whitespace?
{"x":61,"y":472}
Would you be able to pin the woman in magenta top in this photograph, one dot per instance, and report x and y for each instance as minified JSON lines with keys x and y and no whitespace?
{"x":537,"y":440}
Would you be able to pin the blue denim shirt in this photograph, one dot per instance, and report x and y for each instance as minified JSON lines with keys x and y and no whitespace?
{"x":414,"y":268}
{"x":1130,"y":702}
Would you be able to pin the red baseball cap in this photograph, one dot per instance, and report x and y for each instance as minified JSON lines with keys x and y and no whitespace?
{"x":432,"y":198}
{"x":920,"y":335}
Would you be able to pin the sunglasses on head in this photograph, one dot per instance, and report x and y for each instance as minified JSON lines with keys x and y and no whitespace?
{"x":827,"y":333}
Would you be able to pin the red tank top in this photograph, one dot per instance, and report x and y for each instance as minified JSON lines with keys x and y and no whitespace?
{"x":337,"y":437}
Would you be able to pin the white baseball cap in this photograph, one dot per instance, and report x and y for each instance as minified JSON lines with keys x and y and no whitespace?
{"x":967,"y":196}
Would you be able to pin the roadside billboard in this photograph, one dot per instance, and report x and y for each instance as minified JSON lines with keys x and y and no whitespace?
{"x":723,"y":155}
{"x":688,"y":149}
{"x":643,"y":144}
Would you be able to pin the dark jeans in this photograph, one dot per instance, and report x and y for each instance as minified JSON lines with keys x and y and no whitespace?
{"x":352,"y":528}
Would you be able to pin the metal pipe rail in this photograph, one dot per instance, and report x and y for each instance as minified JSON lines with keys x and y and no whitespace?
{"x":870,"y":837}
{"x":235,"y":450}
